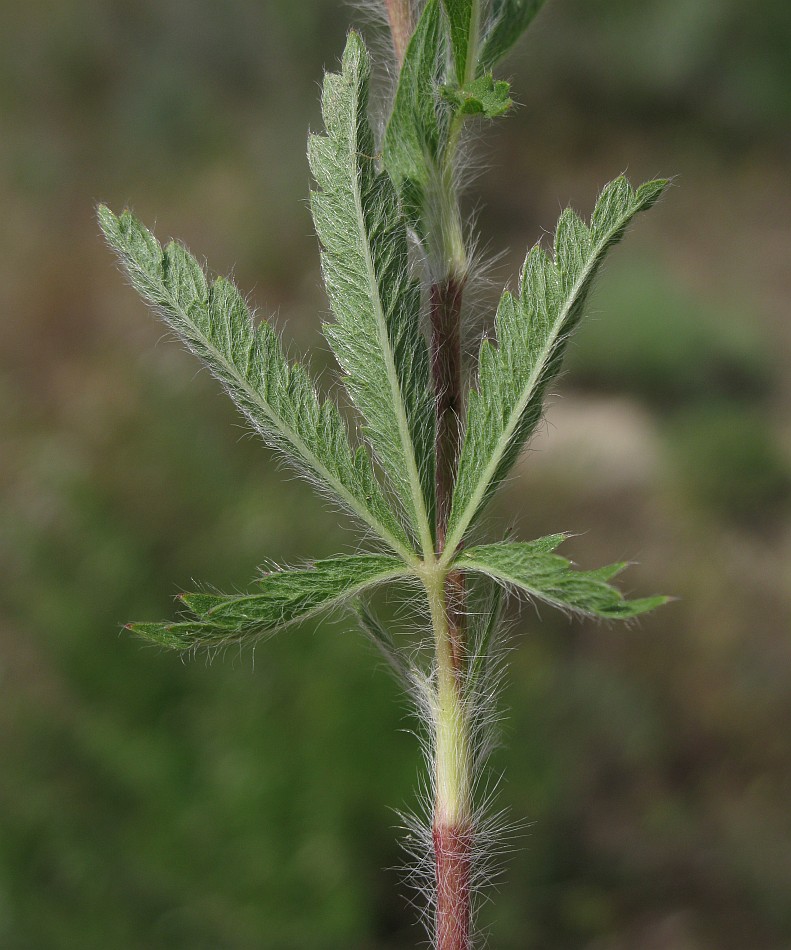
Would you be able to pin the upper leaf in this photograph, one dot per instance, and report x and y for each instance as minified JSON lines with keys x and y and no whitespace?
{"x":507,"y":22}
{"x":416,"y":129}
{"x":483,"y":96}
{"x":534,"y":569}
{"x":532,"y":329}
{"x":276,"y":396}
{"x":281,"y":597}
{"x":463,"y":17}
{"x":376,"y":335}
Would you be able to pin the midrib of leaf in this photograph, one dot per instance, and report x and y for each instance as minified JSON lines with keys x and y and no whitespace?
{"x":296,"y":440}
{"x":473,"y":41}
{"x":415,"y":487}
{"x":507,"y":577}
{"x":352,"y":591}
{"x":284,"y":597}
{"x":460,"y":524}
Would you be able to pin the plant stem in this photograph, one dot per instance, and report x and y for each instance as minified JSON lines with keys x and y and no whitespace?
{"x":399,"y":14}
{"x":452,"y":830}
{"x":445,"y":309}
{"x":452,"y":826}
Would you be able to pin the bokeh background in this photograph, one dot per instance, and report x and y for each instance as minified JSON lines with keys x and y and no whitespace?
{"x":147,"y":802}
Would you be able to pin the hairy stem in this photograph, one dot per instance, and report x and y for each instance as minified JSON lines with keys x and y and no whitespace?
{"x":399,"y":15}
{"x":452,"y":825}
{"x":452,"y":829}
{"x":446,"y":372}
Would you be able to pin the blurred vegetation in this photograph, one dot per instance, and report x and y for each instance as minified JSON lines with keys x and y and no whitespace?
{"x":147,"y":802}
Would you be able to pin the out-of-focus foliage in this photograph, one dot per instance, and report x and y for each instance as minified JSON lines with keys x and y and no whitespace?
{"x":146,"y":802}
{"x":715,"y":61}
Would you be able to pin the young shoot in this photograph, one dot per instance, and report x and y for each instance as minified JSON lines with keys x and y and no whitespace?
{"x":430,"y":443}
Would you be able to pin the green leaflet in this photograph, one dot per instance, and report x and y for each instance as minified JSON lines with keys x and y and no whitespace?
{"x":534,"y":569}
{"x":532,"y":329}
{"x":507,"y":22}
{"x":376,"y":335}
{"x":416,"y":129}
{"x":281,"y":597}
{"x":276,"y":396}
{"x":464,"y":23}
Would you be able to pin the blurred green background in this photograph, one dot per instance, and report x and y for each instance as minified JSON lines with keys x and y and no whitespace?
{"x":147,"y":802}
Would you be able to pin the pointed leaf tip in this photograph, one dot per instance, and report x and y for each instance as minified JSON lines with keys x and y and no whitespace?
{"x":276,"y":396}
{"x":532,"y":330}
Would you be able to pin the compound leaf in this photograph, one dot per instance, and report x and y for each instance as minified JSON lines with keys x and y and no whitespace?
{"x":532,"y":328}
{"x":376,"y":335}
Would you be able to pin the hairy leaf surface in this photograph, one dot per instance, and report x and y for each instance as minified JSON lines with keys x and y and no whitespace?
{"x":507,"y":22}
{"x":415,"y":130}
{"x":462,"y":16}
{"x":281,"y":597}
{"x":482,"y":96}
{"x":277,"y":397}
{"x":376,"y":335}
{"x":533,"y":568}
{"x":532,"y":329}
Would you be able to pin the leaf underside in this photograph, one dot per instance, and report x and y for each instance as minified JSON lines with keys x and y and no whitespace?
{"x":532,"y":329}
{"x":277,"y":397}
{"x":533,"y":568}
{"x":376,"y":335}
{"x":460,"y":14}
{"x":280,"y":598}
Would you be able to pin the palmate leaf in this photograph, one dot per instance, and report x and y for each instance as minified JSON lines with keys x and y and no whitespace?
{"x":542,"y":575}
{"x":281,"y":597}
{"x":532,"y":329}
{"x":507,"y":22}
{"x":376,"y":335}
{"x":277,"y":397}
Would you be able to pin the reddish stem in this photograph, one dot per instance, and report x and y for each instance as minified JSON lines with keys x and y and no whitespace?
{"x":452,"y":848}
{"x":445,"y":308}
{"x":452,"y":843}
{"x":399,"y":13}
{"x":445,"y":312}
